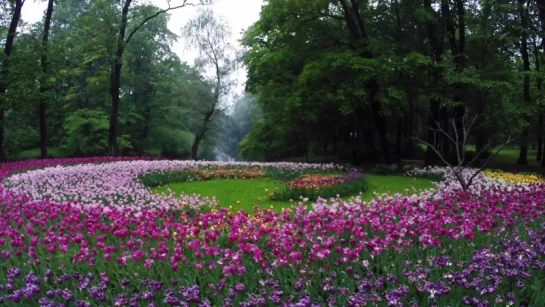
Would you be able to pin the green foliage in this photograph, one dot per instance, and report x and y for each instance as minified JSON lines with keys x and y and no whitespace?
{"x":172,"y":143}
{"x":347,"y":188}
{"x":34,"y":153}
{"x":383,"y":169}
{"x":159,"y":179}
{"x":494,"y":170}
{"x":87,"y":133}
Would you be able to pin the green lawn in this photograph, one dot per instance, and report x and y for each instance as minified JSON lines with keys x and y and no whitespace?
{"x":250,"y":192}
{"x":511,"y":156}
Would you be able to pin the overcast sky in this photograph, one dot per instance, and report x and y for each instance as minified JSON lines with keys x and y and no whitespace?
{"x":239,"y":14}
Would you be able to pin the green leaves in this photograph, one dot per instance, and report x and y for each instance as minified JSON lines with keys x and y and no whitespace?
{"x":87,"y":133}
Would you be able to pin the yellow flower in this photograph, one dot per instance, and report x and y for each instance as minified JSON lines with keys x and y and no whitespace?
{"x":238,"y":202}
{"x":516,"y":178}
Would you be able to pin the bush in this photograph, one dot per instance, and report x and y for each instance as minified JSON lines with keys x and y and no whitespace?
{"x":173,"y":143}
{"x":494,"y":170}
{"x":530,"y":174}
{"x":87,"y":133}
{"x":343,"y":189}
{"x":154,"y":152}
{"x":159,"y":179}
{"x":383,"y":169}
{"x":409,"y":168}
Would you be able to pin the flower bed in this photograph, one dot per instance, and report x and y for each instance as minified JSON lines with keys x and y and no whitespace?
{"x":516,"y":178}
{"x":325,"y":186}
{"x":300,"y":182}
{"x":444,"y":247}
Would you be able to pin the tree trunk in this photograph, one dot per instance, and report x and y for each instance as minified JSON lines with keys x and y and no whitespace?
{"x":408,"y":130}
{"x":480,"y":138}
{"x":195,"y":148}
{"x":523,"y":156}
{"x":445,"y":141}
{"x":380,"y":121}
{"x":399,"y":136}
{"x":539,"y":82}
{"x":541,"y":10}
{"x":43,"y":85}
{"x":4,"y":73}
{"x":335,"y":141}
{"x":115,"y":82}
{"x":540,"y":136}
{"x":433,"y":119}
{"x":356,"y":26}
{"x":435,"y":38}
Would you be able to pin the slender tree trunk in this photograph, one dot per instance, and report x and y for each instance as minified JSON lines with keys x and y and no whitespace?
{"x":458,"y":50}
{"x":433,"y":138}
{"x":195,"y":148}
{"x":356,"y":25}
{"x":409,"y":129}
{"x":305,"y":141}
{"x":539,"y":83}
{"x":335,"y":141}
{"x":480,"y":139}
{"x":399,"y":136}
{"x":436,"y":42}
{"x":4,"y":72}
{"x":43,"y":85}
{"x":379,"y":120}
{"x":445,"y":142}
{"x":540,"y":136}
{"x":523,"y":156}
{"x":541,"y":10}
{"x":115,"y":83}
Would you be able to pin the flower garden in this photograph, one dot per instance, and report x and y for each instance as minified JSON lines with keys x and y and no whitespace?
{"x":89,"y":232}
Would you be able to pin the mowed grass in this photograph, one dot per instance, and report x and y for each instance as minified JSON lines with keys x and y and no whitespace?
{"x":246,"y":193}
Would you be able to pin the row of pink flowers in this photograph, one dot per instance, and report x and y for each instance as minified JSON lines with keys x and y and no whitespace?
{"x":100,"y":218}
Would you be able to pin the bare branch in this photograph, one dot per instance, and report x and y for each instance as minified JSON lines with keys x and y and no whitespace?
{"x":457,"y":143}
{"x":509,"y":140}
{"x":461,"y":142}
{"x":143,"y":22}
{"x":434,"y":149}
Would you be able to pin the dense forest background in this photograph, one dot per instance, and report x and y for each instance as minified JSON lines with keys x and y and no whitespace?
{"x":345,"y":80}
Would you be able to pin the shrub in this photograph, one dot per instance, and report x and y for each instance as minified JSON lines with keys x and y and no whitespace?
{"x":409,"y":168}
{"x":383,"y":169}
{"x":87,"y":133}
{"x":494,"y":170}
{"x":530,"y":174}
{"x":343,"y":189}
{"x":153,"y":152}
{"x":324,"y":186}
{"x":159,"y":179}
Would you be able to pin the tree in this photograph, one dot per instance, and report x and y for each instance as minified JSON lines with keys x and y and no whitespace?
{"x":4,"y":73}
{"x":461,"y":133}
{"x":210,"y":35}
{"x":43,"y":85}
{"x":117,"y":63}
{"x":523,"y":15}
